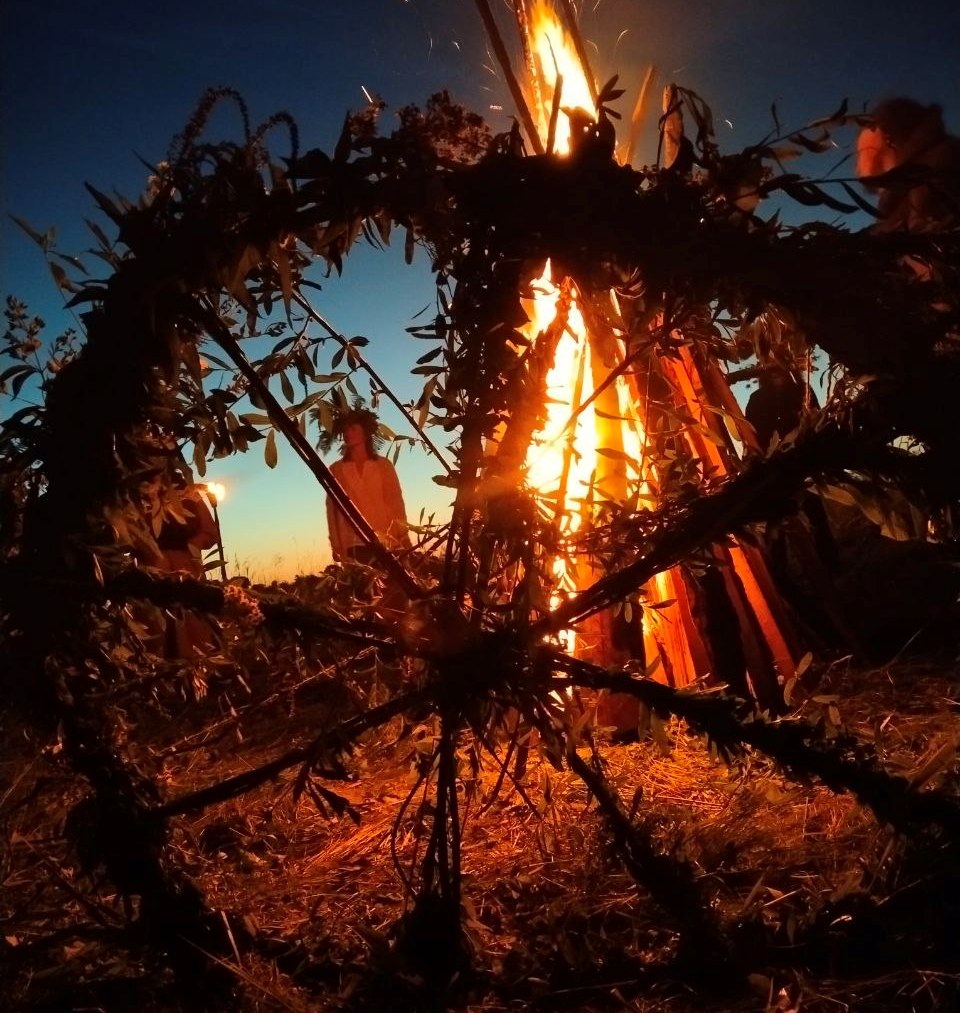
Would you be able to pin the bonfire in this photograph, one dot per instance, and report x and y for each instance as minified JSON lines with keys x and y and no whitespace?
{"x":467,"y":818}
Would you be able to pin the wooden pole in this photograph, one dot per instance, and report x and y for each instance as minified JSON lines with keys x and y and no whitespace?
{"x":500,"y":50}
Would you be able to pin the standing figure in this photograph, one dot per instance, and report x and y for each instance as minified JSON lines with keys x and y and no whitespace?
{"x":181,"y":543}
{"x":371,"y":483}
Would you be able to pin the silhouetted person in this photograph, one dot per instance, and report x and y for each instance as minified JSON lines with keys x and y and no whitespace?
{"x":776,"y":406}
{"x":909,"y":141}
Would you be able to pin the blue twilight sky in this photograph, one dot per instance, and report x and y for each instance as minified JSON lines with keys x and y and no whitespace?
{"x":86,"y":87}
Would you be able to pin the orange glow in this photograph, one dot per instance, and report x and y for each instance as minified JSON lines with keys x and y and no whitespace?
{"x":217,"y":491}
{"x":582,"y":456}
{"x":554,"y":54}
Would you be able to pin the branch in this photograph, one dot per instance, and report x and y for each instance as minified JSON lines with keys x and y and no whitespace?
{"x":374,"y":375}
{"x":842,"y":764}
{"x":496,"y":40}
{"x":336,"y":739}
{"x":763,"y":491}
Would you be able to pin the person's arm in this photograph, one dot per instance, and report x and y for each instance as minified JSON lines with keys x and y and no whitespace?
{"x":333,"y":530}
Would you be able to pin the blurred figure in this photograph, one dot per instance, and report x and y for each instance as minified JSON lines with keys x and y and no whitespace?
{"x":776,"y":406}
{"x":909,"y":141}
{"x":181,"y":545}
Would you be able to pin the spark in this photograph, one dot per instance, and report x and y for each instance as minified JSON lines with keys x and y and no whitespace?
{"x":366,"y":94}
{"x":729,"y":124}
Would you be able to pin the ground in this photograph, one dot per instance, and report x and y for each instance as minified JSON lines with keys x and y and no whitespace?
{"x":837,"y":911}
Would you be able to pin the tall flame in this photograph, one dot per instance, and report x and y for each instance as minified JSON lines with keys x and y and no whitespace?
{"x":585,"y":452}
{"x":555,"y":57}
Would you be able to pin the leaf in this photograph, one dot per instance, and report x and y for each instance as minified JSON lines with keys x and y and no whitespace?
{"x":89,"y":293}
{"x":659,"y":605}
{"x":14,"y":370}
{"x":286,"y":278}
{"x":74,"y":262}
{"x":287,"y":387}
{"x":106,"y":205}
{"x":270,"y":449}
{"x":60,"y":277}
{"x":100,"y":234}
{"x":617,"y":455}
{"x":864,"y":205}
{"x":429,"y":356}
{"x":836,"y":117}
{"x":39,"y":239}
{"x":20,"y":379}
{"x":803,"y":664}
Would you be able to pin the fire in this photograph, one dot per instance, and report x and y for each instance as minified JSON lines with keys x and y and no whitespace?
{"x":217,"y":491}
{"x":582,"y":455}
{"x":556,"y":57}
{"x":561,"y":458}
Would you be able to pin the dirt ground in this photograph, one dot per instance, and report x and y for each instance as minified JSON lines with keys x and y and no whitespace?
{"x":836,"y":911}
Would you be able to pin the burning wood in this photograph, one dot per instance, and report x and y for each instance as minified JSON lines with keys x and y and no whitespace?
{"x":601,"y":421}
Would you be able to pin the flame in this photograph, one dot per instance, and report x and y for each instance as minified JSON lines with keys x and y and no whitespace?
{"x":217,"y":492}
{"x":558,"y":448}
{"x":556,"y":56}
{"x":581,"y":455}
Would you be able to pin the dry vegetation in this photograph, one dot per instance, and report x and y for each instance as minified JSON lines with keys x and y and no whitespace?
{"x":840,"y":910}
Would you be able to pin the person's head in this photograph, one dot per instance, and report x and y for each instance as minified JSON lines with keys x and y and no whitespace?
{"x":901,"y":127}
{"x":357,"y":430}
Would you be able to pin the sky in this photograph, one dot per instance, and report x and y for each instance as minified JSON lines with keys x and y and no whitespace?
{"x":89,"y":88}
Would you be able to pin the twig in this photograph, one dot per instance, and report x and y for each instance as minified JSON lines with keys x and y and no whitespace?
{"x":338,"y":737}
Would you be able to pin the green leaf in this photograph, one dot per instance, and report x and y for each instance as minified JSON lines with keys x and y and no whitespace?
{"x":270,"y":449}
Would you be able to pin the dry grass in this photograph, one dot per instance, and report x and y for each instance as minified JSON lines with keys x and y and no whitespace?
{"x":552,"y":918}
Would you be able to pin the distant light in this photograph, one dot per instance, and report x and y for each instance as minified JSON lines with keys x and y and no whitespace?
{"x":217,"y":491}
